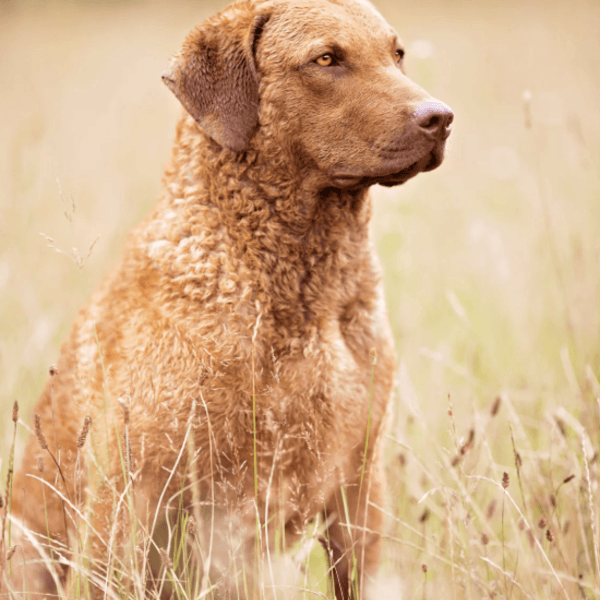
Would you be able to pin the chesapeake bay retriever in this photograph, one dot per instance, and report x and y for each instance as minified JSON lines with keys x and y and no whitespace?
{"x":239,"y":358}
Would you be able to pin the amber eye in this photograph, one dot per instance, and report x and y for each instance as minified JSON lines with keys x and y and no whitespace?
{"x":399,"y":56}
{"x":325,"y":61}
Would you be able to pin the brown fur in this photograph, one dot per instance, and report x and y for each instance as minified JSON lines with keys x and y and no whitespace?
{"x":254,"y":277}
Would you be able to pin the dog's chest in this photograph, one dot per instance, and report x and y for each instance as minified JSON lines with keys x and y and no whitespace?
{"x":315,"y":392}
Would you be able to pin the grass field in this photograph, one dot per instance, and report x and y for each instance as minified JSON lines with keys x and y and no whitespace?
{"x":492,"y":264}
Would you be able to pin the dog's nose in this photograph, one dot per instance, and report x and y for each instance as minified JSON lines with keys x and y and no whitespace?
{"x":434,"y":120}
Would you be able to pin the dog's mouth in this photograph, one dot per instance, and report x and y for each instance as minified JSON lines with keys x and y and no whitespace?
{"x":430,"y":161}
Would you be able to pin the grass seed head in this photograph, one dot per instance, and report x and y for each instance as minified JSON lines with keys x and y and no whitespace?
{"x":11,"y":552}
{"x":127,"y":452}
{"x":165,"y":559}
{"x":505,"y":480}
{"x":39,"y":434}
{"x":424,"y":568}
{"x":496,"y":406}
{"x":469,"y":443}
{"x":518,"y":459}
{"x":549,"y":535}
{"x":15,"y":412}
{"x":373,"y":355}
{"x":84,"y":432}
{"x":485,"y":540}
{"x":192,"y":528}
{"x":126,"y":413}
{"x":40,"y":464}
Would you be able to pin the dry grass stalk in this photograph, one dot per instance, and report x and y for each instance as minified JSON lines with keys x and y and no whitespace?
{"x":85,"y":429}
{"x":127,"y":453}
{"x":505,"y":484}
{"x":41,"y":438}
{"x":9,"y":477}
{"x":74,"y":254}
{"x":591,"y":507}
{"x":518,"y":465}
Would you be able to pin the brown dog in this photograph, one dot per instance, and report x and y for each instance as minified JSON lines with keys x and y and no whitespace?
{"x":240,"y":358}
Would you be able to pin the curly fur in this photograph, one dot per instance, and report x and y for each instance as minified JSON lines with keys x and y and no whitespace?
{"x":253,"y":281}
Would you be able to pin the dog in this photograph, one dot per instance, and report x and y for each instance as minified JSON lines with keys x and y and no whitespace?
{"x":239,"y":359}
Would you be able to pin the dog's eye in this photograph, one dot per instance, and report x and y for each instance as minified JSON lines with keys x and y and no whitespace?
{"x":326,"y":60}
{"x":399,"y":54}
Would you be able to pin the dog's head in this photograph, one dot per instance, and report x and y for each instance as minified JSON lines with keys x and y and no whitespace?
{"x":324,"y":78}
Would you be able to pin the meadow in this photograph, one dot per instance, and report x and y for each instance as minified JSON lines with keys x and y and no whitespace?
{"x":491,"y":266}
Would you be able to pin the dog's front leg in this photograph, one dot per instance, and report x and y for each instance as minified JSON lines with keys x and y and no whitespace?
{"x":353,"y":538}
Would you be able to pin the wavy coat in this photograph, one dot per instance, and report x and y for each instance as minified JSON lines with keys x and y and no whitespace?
{"x":242,"y":343}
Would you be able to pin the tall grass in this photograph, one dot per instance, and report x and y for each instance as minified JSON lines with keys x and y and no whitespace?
{"x":492,"y":276}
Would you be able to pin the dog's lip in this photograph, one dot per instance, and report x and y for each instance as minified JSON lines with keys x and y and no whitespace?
{"x":435,"y":158}
{"x":346,"y":180}
{"x":349,"y":180}
{"x":431,"y":160}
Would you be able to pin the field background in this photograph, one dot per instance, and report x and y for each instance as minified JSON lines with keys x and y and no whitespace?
{"x":492,"y":263}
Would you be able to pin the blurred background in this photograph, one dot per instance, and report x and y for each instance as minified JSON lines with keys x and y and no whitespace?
{"x":491,"y":262}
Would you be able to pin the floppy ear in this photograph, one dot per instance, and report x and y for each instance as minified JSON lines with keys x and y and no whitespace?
{"x":214,"y":75}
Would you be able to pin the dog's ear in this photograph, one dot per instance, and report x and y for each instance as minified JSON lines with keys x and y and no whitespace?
{"x":214,"y":75}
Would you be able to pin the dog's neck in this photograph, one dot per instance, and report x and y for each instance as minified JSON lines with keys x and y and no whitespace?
{"x":266,"y":186}
{"x":299,"y":238}
{"x":267,"y":174}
